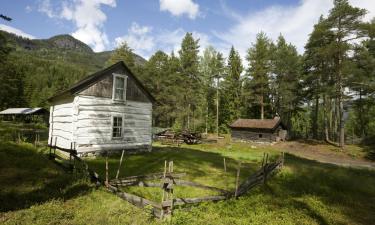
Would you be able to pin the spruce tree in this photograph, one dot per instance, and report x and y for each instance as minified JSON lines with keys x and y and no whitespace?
{"x":259,"y":59}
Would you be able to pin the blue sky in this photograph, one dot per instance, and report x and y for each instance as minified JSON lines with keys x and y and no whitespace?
{"x":151,"y":25}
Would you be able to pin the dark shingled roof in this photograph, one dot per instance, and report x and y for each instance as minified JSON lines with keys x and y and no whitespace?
{"x":257,"y":123}
{"x":84,"y":83}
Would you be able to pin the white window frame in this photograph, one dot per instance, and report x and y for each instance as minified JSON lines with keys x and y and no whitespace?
{"x":122,"y":126}
{"x":114,"y":87}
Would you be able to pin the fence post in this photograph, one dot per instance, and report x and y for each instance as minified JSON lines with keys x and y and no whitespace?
{"x":225,"y":166}
{"x":50,"y":147}
{"x":119,"y":166}
{"x":264,"y":170}
{"x":237,"y":178}
{"x":106,"y":168}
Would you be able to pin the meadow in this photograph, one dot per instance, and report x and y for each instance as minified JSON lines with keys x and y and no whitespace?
{"x":34,"y":190}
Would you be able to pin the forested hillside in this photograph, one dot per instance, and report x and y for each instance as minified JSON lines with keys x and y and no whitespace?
{"x":325,"y":93}
{"x":34,"y":70}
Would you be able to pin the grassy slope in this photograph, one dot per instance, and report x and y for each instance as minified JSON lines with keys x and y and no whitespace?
{"x":305,"y":192}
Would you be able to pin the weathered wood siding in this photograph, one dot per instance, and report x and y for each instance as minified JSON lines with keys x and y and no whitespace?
{"x":252,"y":135}
{"x":61,"y":125}
{"x":86,"y":118}
{"x":104,"y":87}
{"x":94,"y":124}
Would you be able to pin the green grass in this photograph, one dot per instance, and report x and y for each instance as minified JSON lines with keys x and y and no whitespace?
{"x":11,"y":131}
{"x":35,"y":191}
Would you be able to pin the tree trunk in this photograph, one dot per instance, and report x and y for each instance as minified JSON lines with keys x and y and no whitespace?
{"x":188,"y":118}
{"x":315,"y":121}
{"x":261,"y":107}
{"x":326,"y":133}
{"x":362,"y":124}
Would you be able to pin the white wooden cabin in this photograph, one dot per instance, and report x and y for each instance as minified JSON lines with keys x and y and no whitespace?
{"x":109,"y":110}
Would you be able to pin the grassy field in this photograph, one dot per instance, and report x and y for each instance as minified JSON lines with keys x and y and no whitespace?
{"x":34,"y":190}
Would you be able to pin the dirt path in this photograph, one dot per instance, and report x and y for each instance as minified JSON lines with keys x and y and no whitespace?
{"x":326,"y":154}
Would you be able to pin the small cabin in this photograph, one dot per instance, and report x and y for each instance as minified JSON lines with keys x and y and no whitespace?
{"x":107,"y":111}
{"x":259,"y":130}
{"x":27,"y":115}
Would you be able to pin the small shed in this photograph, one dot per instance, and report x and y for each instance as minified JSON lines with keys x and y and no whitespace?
{"x":262,"y":130}
{"x":109,"y":110}
{"x":25,"y":114}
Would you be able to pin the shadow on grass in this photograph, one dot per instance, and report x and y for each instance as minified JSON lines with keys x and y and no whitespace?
{"x":28,"y":178}
{"x":352,"y":191}
{"x":194,"y":162}
{"x":370,"y":152}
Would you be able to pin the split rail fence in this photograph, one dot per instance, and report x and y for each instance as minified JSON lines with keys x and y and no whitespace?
{"x":168,"y":180}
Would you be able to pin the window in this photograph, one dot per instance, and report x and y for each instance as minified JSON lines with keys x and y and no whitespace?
{"x":260,"y":135}
{"x":119,"y":87}
{"x":117,"y":127}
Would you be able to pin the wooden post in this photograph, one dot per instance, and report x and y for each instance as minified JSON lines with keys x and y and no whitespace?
{"x":119,"y":166}
{"x":106,"y":168}
{"x":237,"y":178}
{"x":264,"y":170}
{"x":263,"y":159}
{"x":70,"y":154}
{"x":225,"y":166}
{"x":162,"y":198}
{"x":50,"y":148}
{"x":171,"y":190}
{"x":54,"y":149}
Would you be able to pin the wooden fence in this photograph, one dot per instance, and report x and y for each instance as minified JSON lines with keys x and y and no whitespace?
{"x":168,"y":180}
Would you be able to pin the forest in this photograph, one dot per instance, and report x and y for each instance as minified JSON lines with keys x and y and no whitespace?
{"x":326,"y":93}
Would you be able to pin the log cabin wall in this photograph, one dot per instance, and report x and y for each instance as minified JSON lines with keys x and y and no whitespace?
{"x":254,"y":135}
{"x":86,"y":117}
{"x":94,"y":124}
{"x":61,"y":123}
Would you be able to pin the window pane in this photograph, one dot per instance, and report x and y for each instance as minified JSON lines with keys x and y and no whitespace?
{"x":117,"y":127}
{"x":119,"y":82}
{"x":119,"y":94}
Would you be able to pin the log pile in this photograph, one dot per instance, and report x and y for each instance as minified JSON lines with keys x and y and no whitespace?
{"x":169,"y":137}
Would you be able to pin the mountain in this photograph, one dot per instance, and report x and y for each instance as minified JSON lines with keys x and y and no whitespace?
{"x":37,"y":69}
{"x":63,"y":48}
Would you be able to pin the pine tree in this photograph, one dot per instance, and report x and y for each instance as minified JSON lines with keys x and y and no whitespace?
{"x":345,"y":22}
{"x":189,"y":62}
{"x":286,"y":72}
{"x":232,"y":88}
{"x":122,"y":53}
{"x":259,"y":70}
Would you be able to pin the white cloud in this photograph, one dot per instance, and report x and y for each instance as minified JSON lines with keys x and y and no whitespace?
{"x":28,"y":9}
{"x":145,"y":40}
{"x":46,"y":8}
{"x":180,"y":7}
{"x":15,"y":31}
{"x":294,"y":22}
{"x":139,"y":39}
{"x":87,"y":17}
